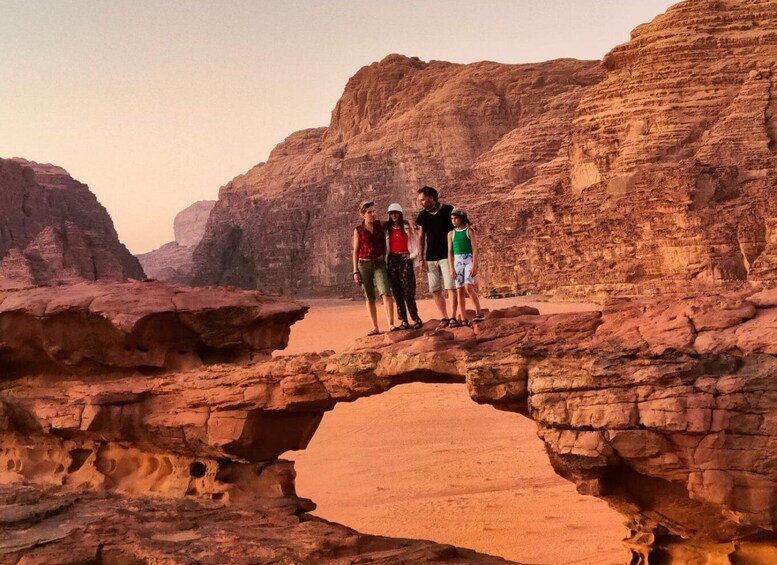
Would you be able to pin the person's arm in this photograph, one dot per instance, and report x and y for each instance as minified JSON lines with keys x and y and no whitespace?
{"x":412,"y":241}
{"x":473,"y":240}
{"x":450,"y":253}
{"x":355,"y":276}
{"x":421,"y":245}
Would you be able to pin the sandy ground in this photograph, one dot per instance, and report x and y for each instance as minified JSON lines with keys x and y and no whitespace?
{"x":424,"y":461}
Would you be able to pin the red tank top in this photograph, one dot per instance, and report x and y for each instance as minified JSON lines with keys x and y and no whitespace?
{"x":398,"y":241}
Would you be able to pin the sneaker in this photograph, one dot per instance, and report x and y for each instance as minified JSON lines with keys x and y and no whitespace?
{"x":479,"y":317}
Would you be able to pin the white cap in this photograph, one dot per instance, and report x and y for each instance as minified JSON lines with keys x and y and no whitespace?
{"x":395,"y":208}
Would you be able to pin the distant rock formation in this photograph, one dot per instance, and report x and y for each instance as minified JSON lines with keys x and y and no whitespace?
{"x":189,"y":224}
{"x":650,"y":171}
{"x":53,"y":230}
{"x":172,"y":262}
{"x":285,"y":226}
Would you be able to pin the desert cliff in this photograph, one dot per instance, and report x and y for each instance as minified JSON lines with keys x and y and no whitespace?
{"x":665,"y":177}
{"x":285,"y":225}
{"x":53,"y":230}
{"x":648,"y":171}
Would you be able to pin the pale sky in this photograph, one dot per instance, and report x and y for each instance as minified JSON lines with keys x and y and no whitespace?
{"x":156,"y":104}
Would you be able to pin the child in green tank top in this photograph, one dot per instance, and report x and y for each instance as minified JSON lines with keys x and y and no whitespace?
{"x":462,"y":257}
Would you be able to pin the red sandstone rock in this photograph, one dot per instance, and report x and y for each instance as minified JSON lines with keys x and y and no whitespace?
{"x":285,"y":225}
{"x":132,"y":445}
{"x":650,"y":172}
{"x":662,"y":407}
{"x":53,"y":230}
{"x":107,"y":328}
{"x":98,"y":527}
{"x":664,"y":178}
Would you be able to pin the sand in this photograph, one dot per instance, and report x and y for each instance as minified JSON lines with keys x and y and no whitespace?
{"x":424,"y":461}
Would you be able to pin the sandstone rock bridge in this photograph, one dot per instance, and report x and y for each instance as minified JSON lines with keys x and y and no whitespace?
{"x":144,"y":423}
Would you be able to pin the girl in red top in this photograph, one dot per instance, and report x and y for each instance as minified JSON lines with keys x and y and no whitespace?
{"x":403,"y":249}
{"x":369,"y":265}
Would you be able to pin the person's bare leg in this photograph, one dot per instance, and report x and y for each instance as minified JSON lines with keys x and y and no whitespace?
{"x":462,"y":303}
{"x":372,"y":309}
{"x":439,"y":301}
{"x":388,"y":305}
{"x":473,"y":294}
{"x":454,"y":297}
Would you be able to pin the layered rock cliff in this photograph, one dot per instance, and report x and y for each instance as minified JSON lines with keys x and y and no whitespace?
{"x":172,"y":262}
{"x":662,"y":407}
{"x":53,"y":230}
{"x":286,"y":225}
{"x":665,"y":176}
{"x":649,"y":171}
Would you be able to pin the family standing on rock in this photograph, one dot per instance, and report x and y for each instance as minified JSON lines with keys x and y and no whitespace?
{"x":384,"y":256}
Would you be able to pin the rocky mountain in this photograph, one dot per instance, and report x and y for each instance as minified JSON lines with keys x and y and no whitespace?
{"x":172,"y":262}
{"x":53,"y":230}
{"x":285,"y":225}
{"x":648,"y":170}
{"x":665,"y":177}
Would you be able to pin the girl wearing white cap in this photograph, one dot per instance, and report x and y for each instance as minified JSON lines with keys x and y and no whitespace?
{"x":403,"y":250}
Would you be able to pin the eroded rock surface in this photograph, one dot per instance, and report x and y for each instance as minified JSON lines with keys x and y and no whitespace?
{"x":108,"y":528}
{"x":113,"y":328}
{"x":664,"y":178}
{"x":663,"y":407}
{"x":143,"y":423}
{"x":53,"y":230}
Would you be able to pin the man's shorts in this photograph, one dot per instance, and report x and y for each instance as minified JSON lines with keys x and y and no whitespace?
{"x":373,"y":273}
{"x":439,"y":273}
{"x":463,"y":266}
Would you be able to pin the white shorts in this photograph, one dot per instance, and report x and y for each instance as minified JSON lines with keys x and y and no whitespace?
{"x":463,"y":265}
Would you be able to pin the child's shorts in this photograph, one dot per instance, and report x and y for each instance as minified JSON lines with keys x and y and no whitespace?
{"x":463,"y":265}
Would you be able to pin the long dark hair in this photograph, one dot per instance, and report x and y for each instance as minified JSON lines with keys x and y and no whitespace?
{"x":390,"y":224}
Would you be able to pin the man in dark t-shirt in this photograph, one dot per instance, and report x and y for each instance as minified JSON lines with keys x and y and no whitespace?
{"x":435,"y":223}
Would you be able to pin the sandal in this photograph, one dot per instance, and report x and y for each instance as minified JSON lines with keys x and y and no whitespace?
{"x":394,"y":329}
{"x":418,"y":324}
{"x":479,"y":317}
{"x":373,"y":332}
{"x":464,"y":323}
{"x":404,"y":325}
{"x":454,"y":323}
{"x":443,"y":323}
